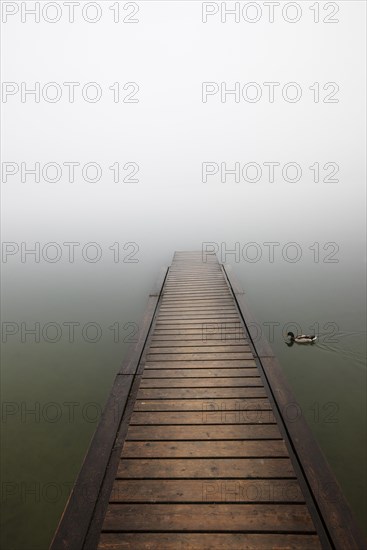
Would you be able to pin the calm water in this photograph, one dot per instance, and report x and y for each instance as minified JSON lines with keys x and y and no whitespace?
{"x":66,"y":383}
{"x":54,"y":388}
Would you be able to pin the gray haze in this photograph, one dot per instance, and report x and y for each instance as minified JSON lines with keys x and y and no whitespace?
{"x":169,"y":133}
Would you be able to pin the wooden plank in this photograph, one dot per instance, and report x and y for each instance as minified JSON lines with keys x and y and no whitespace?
{"x":200,"y":449}
{"x":192,"y":279}
{"x":205,"y":325}
{"x":189,"y":296}
{"x":215,"y":338}
{"x":208,"y":282}
{"x":204,"y":517}
{"x":203,"y":417}
{"x":211,"y":327}
{"x":188,"y":265}
{"x":199,"y":302}
{"x":202,"y":404}
{"x":201,"y":317}
{"x":194,"y":490}
{"x":205,"y":468}
{"x":224,"y":318}
{"x":228,"y":320}
{"x":215,"y":285}
{"x":200,"y":338}
{"x":195,"y":291}
{"x":167,"y":308}
{"x":195,"y":278}
{"x":228,"y":330}
{"x":210,"y":332}
{"x":174,"y":348}
{"x":192,"y":312}
{"x":201,"y":393}
{"x":185,"y":290}
{"x":238,"y":363}
{"x":188,"y":268}
{"x":200,"y":310}
{"x":192,"y":433}
{"x":177,"y":272}
{"x":201,"y":273}
{"x":221,"y":289}
{"x":207,"y":363}
{"x":192,"y":295}
{"x":208,"y":541}
{"x":200,"y":299}
{"x":199,"y":373}
{"x":208,"y":356}
{"x":200,"y":382}
{"x":197,"y":297}
{"x":164,"y":341}
{"x":205,"y":328}
{"x":176,"y":269}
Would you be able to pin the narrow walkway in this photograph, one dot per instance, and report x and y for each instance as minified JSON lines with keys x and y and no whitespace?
{"x":204,"y":462}
{"x":201,"y":445}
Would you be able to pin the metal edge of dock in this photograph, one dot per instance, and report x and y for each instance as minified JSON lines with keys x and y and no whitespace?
{"x":80,"y":525}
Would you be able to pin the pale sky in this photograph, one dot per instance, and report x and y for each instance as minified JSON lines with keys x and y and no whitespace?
{"x":170,"y":132}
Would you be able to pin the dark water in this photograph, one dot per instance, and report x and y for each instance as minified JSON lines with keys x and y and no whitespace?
{"x":66,"y":383}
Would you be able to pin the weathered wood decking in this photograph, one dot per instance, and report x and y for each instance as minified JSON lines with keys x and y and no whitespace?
{"x":207,"y":449}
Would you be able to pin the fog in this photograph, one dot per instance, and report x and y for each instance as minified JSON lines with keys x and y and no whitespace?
{"x":246,"y":138}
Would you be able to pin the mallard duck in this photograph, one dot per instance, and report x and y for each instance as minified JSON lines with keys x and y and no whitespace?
{"x":302,"y":338}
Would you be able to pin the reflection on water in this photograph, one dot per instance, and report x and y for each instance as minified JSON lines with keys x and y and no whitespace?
{"x":54,"y":389}
{"x":347,"y":341}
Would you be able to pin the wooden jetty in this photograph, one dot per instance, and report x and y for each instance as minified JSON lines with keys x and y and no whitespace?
{"x":201,"y":444}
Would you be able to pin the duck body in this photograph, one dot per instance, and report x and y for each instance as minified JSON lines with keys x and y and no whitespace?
{"x":302,"y":338}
